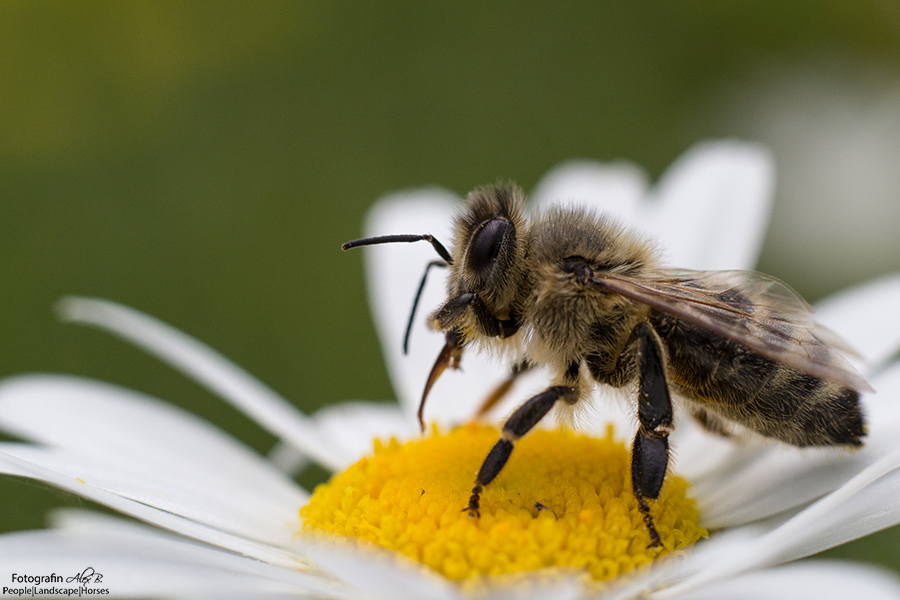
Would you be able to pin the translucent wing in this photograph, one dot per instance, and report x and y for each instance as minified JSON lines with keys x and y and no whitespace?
{"x":748,"y":308}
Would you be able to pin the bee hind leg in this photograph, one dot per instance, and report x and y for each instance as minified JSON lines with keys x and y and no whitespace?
{"x":519,"y":423}
{"x":711,"y":422}
{"x":650,"y":450}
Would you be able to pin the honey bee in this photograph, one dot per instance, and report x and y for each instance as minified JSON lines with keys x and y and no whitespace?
{"x":581,"y":294}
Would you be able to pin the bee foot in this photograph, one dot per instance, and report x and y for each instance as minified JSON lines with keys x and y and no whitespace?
{"x":655,"y":541}
{"x":539,"y":507}
{"x":474,"y":502}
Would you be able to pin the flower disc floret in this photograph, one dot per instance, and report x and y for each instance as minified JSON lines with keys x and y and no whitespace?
{"x":563,"y":500}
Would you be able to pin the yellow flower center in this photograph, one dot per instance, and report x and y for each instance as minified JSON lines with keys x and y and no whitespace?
{"x":563,"y":500}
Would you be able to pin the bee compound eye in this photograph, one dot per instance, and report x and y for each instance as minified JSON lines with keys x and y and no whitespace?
{"x":486,"y":244}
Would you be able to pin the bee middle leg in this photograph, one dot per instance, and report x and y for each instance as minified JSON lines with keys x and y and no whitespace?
{"x":499,"y":392}
{"x":650,"y":450}
{"x":519,"y":423}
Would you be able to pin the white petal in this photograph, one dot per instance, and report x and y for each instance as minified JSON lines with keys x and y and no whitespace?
{"x":882,"y":409}
{"x":866,"y":503}
{"x":380,"y":574}
{"x":394,"y":271}
{"x":674,"y":568}
{"x":287,"y":458}
{"x":762,"y":479}
{"x":845,"y":515}
{"x":109,"y":422}
{"x":240,"y":514}
{"x":698,"y":454}
{"x":866,"y":317}
{"x":125,"y":570}
{"x":36,"y":470}
{"x":712,"y":206}
{"x":143,"y":562}
{"x":615,"y":189}
{"x":811,"y":580}
{"x":206,"y":366}
{"x":708,"y":211}
{"x":533,"y":586}
{"x":771,"y":482}
{"x":354,"y":425}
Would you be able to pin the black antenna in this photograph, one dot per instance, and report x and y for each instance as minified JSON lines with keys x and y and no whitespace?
{"x":412,"y":313}
{"x":390,"y":239}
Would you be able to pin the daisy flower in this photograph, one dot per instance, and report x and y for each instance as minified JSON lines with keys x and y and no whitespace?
{"x":220,"y":519}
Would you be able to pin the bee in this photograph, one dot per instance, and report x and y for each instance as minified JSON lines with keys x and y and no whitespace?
{"x":579,"y":293}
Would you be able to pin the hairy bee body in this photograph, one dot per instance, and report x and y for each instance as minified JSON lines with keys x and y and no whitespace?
{"x":562,"y":323}
{"x":582,"y":295}
{"x":728,"y":381}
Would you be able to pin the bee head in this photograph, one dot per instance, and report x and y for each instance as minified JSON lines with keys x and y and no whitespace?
{"x":486,"y":266}
{"x":488,"y":250}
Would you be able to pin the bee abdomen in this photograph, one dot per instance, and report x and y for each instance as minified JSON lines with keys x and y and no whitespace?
{"x":805,"y":410}
{"x":740,"y":385}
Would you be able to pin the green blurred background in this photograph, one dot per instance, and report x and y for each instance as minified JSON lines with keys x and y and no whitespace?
{"x":203,"y":161}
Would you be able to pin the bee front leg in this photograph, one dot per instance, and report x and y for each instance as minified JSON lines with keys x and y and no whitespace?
{"x":450,"y":356}
{"x":519,"y":423}
{"x":650,"y":451}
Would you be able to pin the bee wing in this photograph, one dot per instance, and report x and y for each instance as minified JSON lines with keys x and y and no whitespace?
{"x":830,"y":338}
{"x":748,"y":308}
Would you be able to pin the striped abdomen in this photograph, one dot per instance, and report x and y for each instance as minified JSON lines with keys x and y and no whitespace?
{"x":739,"y":385}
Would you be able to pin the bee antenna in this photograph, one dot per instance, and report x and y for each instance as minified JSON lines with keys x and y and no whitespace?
{"x":412,"y":313}
{"x":390,"y":239}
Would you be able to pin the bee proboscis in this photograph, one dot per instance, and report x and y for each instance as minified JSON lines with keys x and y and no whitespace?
{"x":586,"y":297}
